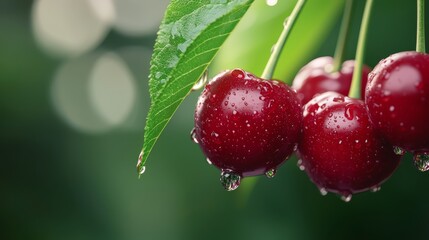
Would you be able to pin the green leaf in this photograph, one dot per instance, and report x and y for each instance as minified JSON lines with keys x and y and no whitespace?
{"x":189,"y":37}
{"x":309,"y":33}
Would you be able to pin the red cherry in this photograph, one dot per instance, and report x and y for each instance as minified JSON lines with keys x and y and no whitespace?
{"x":339,"y":148}
{"x":246,"y":126}
{"x":316,"y":77}
{"x":398,"y":103}
{"x":398,"y":99}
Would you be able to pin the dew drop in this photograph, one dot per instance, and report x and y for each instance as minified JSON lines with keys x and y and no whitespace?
{"x":142,"y":170}
{"x":375,"y":189}
{"x":346,"y":196}
{"x":208,"y":161}
{"x":398,"y":150}
{"x":300,"y":165}
{"x":271,"y":3}
{"x":323,"y":191}
{"x":421,"y":161}
{"x":201,"y":82}
{"x":339,"y":99}
{"x":238,"y":73}
{"x":194,"y":135}
{"x":215,"y":134}
{"x":234,"y":112}
{"x":140,"y":167}
{"x":230,"y":180}
{"x":348,"y":113}
{"x":271,"y":173}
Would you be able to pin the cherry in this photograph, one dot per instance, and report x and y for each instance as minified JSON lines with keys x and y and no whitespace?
{"x":317,"y":77}
{"x":246,"y":126}
{"x":397,"y":98}
{"x":340,"y":150}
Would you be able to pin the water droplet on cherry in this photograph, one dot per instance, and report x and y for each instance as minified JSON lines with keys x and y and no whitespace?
{"x":421,"y":161}
{"x":346,"y":196}
{"x":230,"y":180}
{"x":271,"y":173}
{"x":323,"y":191}
{"x":194,"y":135}
{"x":375,"y":189}
{"x":398,"y":150}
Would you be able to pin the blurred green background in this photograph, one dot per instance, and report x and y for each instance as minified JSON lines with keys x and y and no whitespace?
{"x":74,"y":96}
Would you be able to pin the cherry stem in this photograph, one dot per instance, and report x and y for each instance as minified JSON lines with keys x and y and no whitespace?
{"x":420,"y":42}
{"x":342,"y":37}
{"x":278,"y":47}
{"x":355,"y":89}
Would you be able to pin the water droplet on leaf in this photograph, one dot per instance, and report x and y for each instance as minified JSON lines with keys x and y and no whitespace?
{"x":140,"y":167}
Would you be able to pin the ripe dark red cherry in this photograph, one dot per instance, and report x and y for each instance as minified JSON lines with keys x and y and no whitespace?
{"x":339,"y":148}
{"x":398,"y":103}
{"x":317,"y":77}
{"x":246,"y":126}
{"x":398,"y":100}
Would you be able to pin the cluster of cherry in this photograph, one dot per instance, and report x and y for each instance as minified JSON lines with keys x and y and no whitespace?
{"x":249,"y":126}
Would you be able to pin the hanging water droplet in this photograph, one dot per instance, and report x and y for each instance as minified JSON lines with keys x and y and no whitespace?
{"x":295,"y":148}
{"x":398,"y":150}
{"x":300,"y":165}
{"x":142,"y":170}
{"x":208,"y":161}
{"x":323,"y":191}
{"x":375,"y":189}
{"x":271,"y":173}
{"x":194,"y":135}
{"x":229,"y":180}
{"x":140,"y":167}
{"x":346,"y":196}
{"x":421,"y":161}
{"x":201,"y":82}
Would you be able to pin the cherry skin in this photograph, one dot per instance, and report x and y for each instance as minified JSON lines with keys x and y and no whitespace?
{"x":340,"y":150}
{"x":316,"y":77}
{"x":397,"y":98}
{"x":245,"y":125}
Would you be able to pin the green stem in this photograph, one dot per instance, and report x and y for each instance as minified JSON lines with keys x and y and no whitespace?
{"x":355,"y":89}
{"x":275,"y":55}
{"x":420,"y":42}
{"x":342,"y":37}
